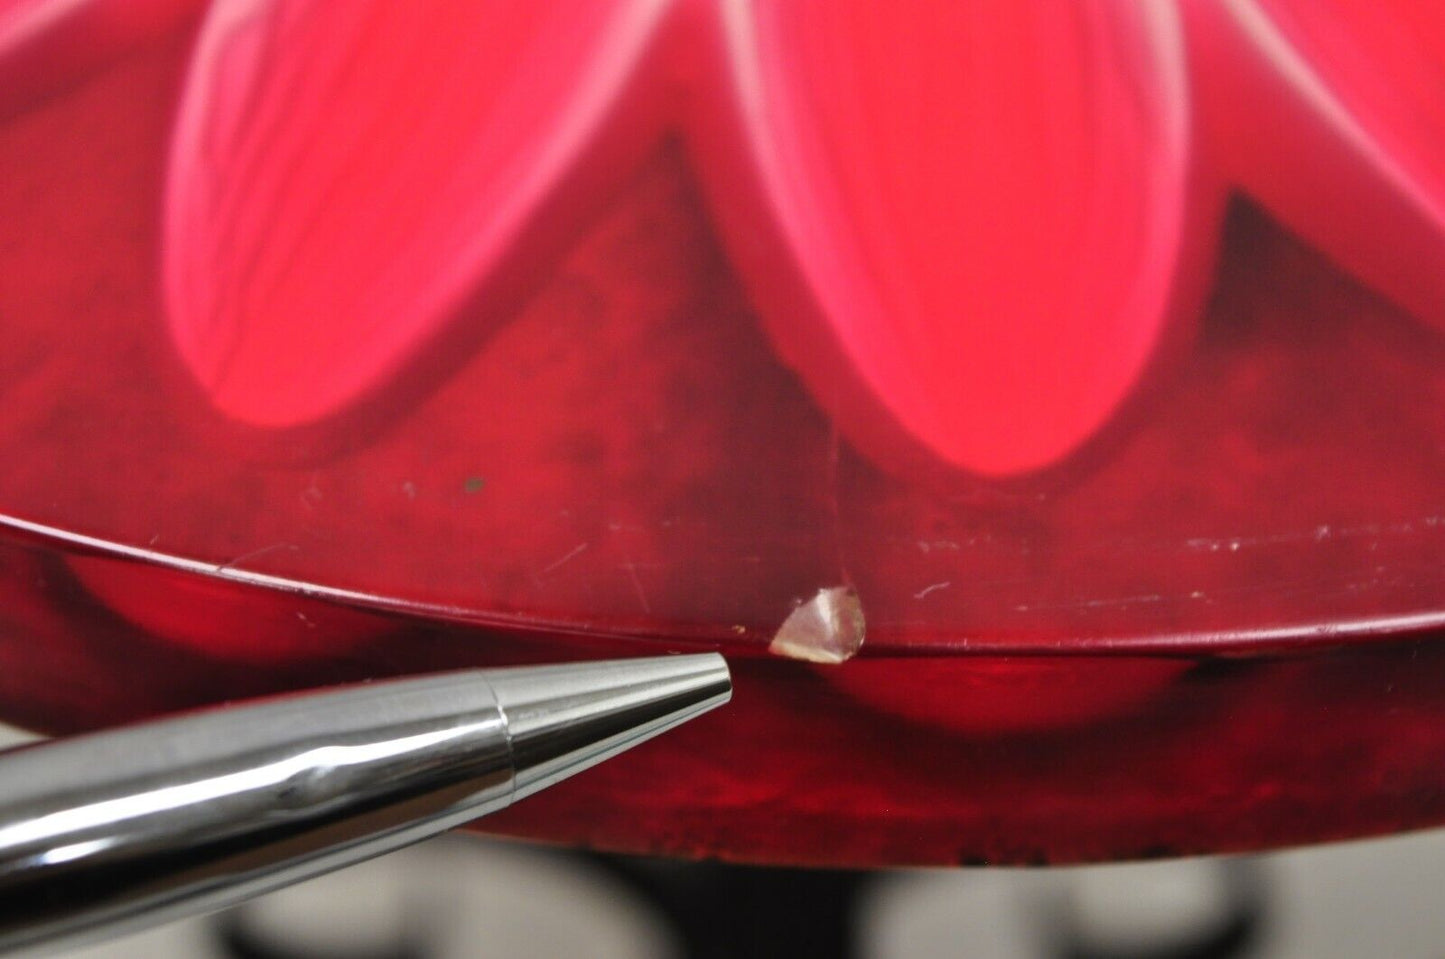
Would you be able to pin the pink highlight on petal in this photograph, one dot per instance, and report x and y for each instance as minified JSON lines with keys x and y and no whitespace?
{"x":347,"y":176}
{"x":1332,"y":114}
{"x":967,"y":224}
{"x":49,"y":45}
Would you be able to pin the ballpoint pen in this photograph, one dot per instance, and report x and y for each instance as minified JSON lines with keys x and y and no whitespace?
{"x":114,"y":831}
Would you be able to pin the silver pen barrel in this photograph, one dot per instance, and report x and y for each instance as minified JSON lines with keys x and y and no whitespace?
{"x":114,"y":831}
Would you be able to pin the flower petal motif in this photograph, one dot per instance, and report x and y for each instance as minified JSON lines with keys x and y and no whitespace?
{"x":346,"y":176}
{"x":47,"y":45}
{"x":1332,"y":114}
{"x":968,"y":225}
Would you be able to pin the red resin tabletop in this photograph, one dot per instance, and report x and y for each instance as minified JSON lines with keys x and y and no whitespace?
{"x":1106,"y":524}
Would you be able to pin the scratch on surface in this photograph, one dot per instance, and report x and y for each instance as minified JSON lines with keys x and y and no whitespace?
{"x":631,"y":568}
{"x":829,"y":628}
{"x":312,"y":494}
{"x":933,"y":588}
{"x":834,"y":504}
{"x":1318,"y":533}
{"x":572,"y":554}
{"x":263,"y":551}
{"x":1117,"y":601}
{"x":1106,"y":603}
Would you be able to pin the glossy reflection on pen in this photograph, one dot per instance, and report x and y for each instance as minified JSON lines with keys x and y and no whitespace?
{"x":320,"y":760}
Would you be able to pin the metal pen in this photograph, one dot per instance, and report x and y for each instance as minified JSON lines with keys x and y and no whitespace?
{"x":114,"y":831}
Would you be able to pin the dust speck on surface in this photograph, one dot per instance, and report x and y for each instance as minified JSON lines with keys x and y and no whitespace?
{"x":474,"y":484}
{"x":828,"y":628}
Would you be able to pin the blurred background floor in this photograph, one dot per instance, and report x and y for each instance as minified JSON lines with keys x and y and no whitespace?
{"x":467,"y":896}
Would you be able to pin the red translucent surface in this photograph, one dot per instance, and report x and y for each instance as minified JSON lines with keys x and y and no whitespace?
{"x":1234,"y":754}
{"x":642,"y":417}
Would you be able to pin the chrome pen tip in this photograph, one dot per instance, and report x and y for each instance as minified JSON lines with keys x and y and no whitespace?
{"x":563,"y":719}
